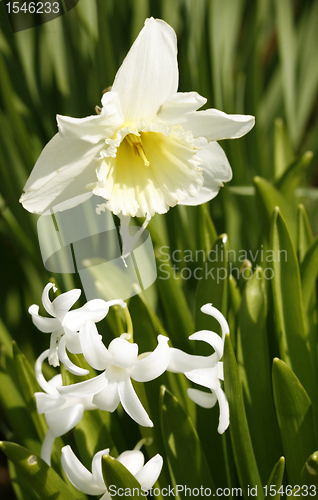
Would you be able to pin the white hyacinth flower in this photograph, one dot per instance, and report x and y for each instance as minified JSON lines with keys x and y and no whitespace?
{"x":147,"y":150}
{"x":92,"y":483}
{"x":206,"y":371}
{"x":64,"y":324}
{"x":120,"y":362}
{"x":61,"y":413}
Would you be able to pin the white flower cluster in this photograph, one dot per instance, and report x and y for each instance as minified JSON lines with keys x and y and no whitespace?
{"x":63,"y":406}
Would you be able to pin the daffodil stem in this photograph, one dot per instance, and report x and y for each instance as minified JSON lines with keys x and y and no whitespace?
{"x":129,"y":324}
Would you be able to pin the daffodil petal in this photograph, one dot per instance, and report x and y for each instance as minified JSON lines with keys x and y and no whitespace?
{"x":93,"y":129}
{"x":150,"y":472}
{"x":131,"y":403}
{"x":204,"y":399}
{"x":61,"y":421}
{"x":78,"y":475}
{"x":179,"y":104}
{"x":62,"y":172}
{"x":133,"y":460}
{"x":153,"y":365}
{"x":94,"y":351}
{"x":108,"y":398}
{"x":135,"y":189}
{"x":149,"y":72}
{"x":215,"y":169}
{"x":87,"y":388}
{"x":216,"y":125}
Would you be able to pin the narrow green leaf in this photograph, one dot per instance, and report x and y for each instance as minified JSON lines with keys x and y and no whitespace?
{"x":255,"y":373}
{"x":186,"y":459}
{"x":267,"y":198}
{"x":309,"y":474}
{"x":288,"y":305}
{"x":240,"y":436}
{"x":212,"y":284}
{"x":294,"y":175}
{"x":295,"y":419}
{"x":179,"y":321}
{"x":283,"y":151}
{"x":29,"y":386}
{"x":119,"y":481}
{"x":309,"y":271}
{"x":276,"y":477}
{"x":43,"y":479}
{"x":304,"y":233}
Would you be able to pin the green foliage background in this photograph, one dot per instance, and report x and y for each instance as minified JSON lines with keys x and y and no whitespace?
{"x":246,"y":56}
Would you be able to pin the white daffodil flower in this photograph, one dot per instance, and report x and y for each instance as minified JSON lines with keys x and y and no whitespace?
{"x":61,"y":413}
{"x":149,"y":149}
{"x":206,"y":371}
{"x":120,"y":362}
{"x":92,"y":483}
{"x":64,"y":324}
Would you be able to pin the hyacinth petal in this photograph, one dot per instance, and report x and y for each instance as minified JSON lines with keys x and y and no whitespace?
{"x":48,"y":306}
{"x":87,"y":388}
{"x":94,"y":351}
{"x":96,"y":128}
{"x":131,"y":403}
{"x":62,"y":172}
{"x":94,"y":310}
{"x":61,"y":421}
{"x":133,"y":460}
{"x":76,"y":370}
{"x":178,"y":104}
{"x":153,"y":365}
{"x":78,"y":475}
{"x":47,"y":446}
{"x":124,"y":353}
{"x":207,"y":377}
{"x":181,"y":362}
{"x":108,"y":398}
{"x":62,"y":303}
{"x":45,"y":325}
{"x":224,"y":420}
{"x":97,"y":467}
{"x":204,"y":399}
{"x":215,"y":313}
{"x":48,"y":402}
{"x":49,"y":389}
{"x":216,"y":125}
{"x":149,"y":72}
{"x":215,"y":169}
{"x":150,"y":472}
{"x":211,"y":338}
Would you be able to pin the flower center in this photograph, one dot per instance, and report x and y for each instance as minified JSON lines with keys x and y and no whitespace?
{"x":135,"y":142}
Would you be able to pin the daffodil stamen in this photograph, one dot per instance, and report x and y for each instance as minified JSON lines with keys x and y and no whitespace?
{"x":135,"y":142}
